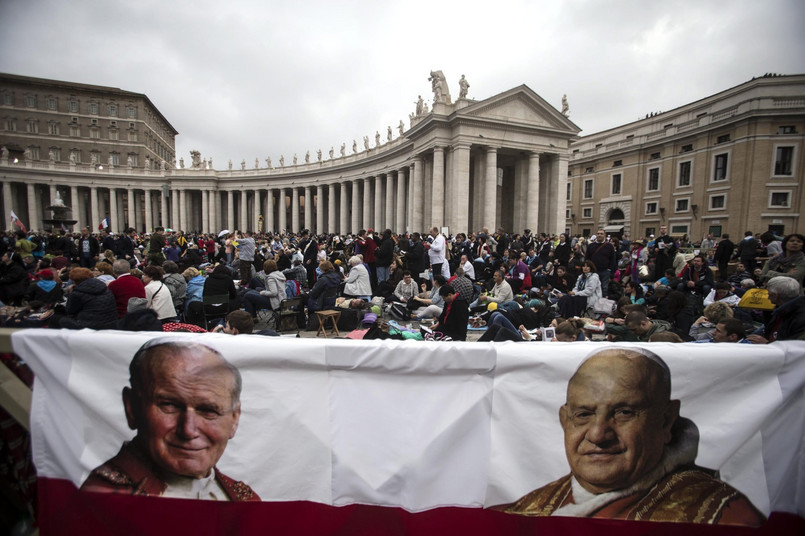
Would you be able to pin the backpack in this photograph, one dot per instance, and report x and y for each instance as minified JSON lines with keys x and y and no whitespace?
{"x":292,"y":288}
{"x":399,"y":311}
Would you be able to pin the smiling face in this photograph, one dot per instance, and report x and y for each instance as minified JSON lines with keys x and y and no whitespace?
{"x":615,"y":421}
{"x":185,"y":414}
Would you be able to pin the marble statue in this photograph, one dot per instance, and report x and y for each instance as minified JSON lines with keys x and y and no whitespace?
{"x":401,"y":127}
{"x":268,"y":162}
{"x":377,"y":138}
{"x":388,"y":133}
{"x":411,"y":118}
{"x":181,"y":162}
{"x":243,"y":165}
{"x":256,"y":163}
{"x":420,"y":106}
{"x":307,"y":157}
{"x":441,"y":93}
{"x":4,"y":153}
{"x":318,"y":155}
{"x":565,"y":106}
{"x":366,"y":142}
{"x":295,"y":160}
{"x":230,"y":164}
{"x":332,"y":152}
{"x":354,"y":146}
{"x":209,"y":164}
{"x":27,"y":153}
{"x":282,"y":160}
{"x":130,"y":162}
{"x":343,"y":149}
{"x":204,"y":164}
{"x":196,"y":157}
{"x":165,"y":164}
{"x":51,"y":155}
{"x":463,"y":87}
{"x":58,"y":202}
{"x":93,"y":158}
{"x":73,"y":158}
{"x":425,"y":108}
{"x":147,"y":163}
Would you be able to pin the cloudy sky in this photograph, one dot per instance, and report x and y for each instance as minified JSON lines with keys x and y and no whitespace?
{"x":245,"y":79}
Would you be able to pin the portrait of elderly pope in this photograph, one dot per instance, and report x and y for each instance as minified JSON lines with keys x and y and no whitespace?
{"x":184,"y":403}
{"x":631,"y":455}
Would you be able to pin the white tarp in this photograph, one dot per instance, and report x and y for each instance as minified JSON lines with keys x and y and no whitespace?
{"x":419,"y":424}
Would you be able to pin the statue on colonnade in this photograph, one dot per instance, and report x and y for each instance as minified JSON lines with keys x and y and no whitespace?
{"x":441,"y":93}
{"x":463,"y":87}
{"x":565,"y":106}
{"x":196,"y":157}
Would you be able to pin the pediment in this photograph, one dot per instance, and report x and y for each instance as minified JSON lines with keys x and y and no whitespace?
{"x":520,"y":105}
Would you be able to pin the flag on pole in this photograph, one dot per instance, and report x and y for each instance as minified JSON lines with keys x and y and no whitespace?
{"x":16,"y":221}
{"x":104,"y":224}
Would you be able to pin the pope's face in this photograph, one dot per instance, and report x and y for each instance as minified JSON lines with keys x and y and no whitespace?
{"x":615,"y":431}
{"x":185,"y":417}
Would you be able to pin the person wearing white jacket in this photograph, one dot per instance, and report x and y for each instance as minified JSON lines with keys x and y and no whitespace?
{"x":157,"y":294}
{"x":585,"y":293}
{"x":358,"y":283}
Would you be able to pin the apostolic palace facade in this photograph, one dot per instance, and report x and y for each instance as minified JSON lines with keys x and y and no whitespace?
{"x":727,"y":163}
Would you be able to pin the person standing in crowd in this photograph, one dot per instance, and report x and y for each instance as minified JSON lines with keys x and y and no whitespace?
{"x":436,"y":253}
{"x":88,"y":249}
{"x":723,"y":254}
{"x":747,"y":250}
{"x":666,"y":251}
{"x":154,"y":255}
{"x":603,"y":254}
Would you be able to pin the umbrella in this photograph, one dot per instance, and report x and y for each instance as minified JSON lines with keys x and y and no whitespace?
{"x":224,"y":232}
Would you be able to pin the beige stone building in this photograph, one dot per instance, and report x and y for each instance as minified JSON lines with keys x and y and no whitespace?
{"x":728,"y":163}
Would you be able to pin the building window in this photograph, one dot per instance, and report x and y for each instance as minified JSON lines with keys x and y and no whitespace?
{"x":616,"y":184}
{"x":113,"y":134}
{"x":32,"y":126}
{"x":718,"y":202}
{"x":617,"y":163}
{"x":588,"y":189}
{"x":131,"y":112}
{"x":779,"y":199}
{"x":114,"y":159}
{"x":683,"y":179}
{"x":720,"y":163}
{"x":72,"y":106}
{"x":95,"y":133}
{"x":111,"y":110}
{"x":34,"y":151}
{"x":53,"y":128}
{"x":651,"y":208}
{"x":75,"y":156}
{"x":133,"y":158}
{"x":51,"y":103}
{"x":567,"y":214}
{"x":655,"y":156}
{"x":8,"y":99}
{"x":75,"y":131}
{"x":787,"y":129}
{"x":687,"y":148}
{"x":784,"y":161}
{"x":569,"y":190}
{"x":132,"y":135}
{"x":653,"y":180}
{"x":679,"y":229}
{"x":30,"y":101}
{"x":650,"y":231}
{"x":92,"y":108}
{"x":682,"y":205}
{"x":724,"y":138}
{"x":587,"y":213}
{"x":55,"y":152}
{"x":11,"y":125}
{"x":589,"y":170}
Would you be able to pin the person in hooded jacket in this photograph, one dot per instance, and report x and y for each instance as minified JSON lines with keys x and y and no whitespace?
{"x":272,"y":292}
{"x":46,"y":290}
{"x":90,"y":303}
{"x":329,"y":279}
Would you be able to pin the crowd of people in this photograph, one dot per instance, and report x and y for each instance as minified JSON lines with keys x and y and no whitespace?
{"x":511,"y":286}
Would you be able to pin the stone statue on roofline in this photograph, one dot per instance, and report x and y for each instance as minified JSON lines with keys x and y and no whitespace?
{"x":366,"y":142}
{"x":565,"y":106}
{"x":318,"y":155}
{"x":195,"y":157}
{"x":295,"y":159}
{"x":463,"y":87}
{"x":243,"y":165}
{"x":332,"y":152}
{"x":377,"y":138}
{"x":268,"y":162}
{"x":420,"y":106}
{"x":282,"y":160}
{"x":307,"y":157}
{"x":401,"y":127}
{"x":343,"y":149}
{"x":441,"y":93}
{"x":230,"y":164}
{"x":388,"y":133}
{"x":354,"y":146}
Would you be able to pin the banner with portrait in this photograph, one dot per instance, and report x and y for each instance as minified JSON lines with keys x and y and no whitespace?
{"x":399,"y":433}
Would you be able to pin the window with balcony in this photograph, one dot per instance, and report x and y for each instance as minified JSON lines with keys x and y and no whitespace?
{"x":51,"y":103}
{"x":53,"y":128}
{"x":30,"y":101}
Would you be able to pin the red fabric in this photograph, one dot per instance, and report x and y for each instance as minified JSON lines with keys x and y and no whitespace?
{"x":65,"y":510}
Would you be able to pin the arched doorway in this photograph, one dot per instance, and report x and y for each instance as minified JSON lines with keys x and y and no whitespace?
{"x":616,"y":215}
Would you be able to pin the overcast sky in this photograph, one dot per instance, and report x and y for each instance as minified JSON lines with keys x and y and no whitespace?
{"x":246,"y":79}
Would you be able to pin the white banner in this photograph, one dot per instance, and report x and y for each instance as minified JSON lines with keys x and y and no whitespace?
{"x":416,"y":424}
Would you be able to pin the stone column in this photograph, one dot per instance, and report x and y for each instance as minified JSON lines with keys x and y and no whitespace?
{"x":149,"y":216}
{"x":378,"y":215}
{"x":283,"y":211}
{"x":33,"y":208}
{"x":389,"y":214}
{"x":356,"y":206}
{"x":399,"y":225}
{"x":244,"y":211}
{"x":295,"y":210}
{"x":309,"y":208}
{"x":78,"y":213}
{"x":417,"y":201}
{"x":114,"y":221}
{"x":532,"y":203}
{"x":558,"y":197}
{"x":319,"y":209}
{"x":163,"y":207}
{"x":256,"y":206}
{"x":215,"y":212}
{"x":367,"y":203}
{"x":173,"y":221}
{"x":268,"y":213}
{"x":205,"y":211}
{"x":230,"y":210}
{"x":343,"y":219}
{"x":409,"y":208}
{"x":491,"y":189}
{"x":461,"y":189}
{"x":8,"y":205}
{"x":95,"y":212}
{"x":52,"y":194}
{"x":183,"y":219}
{"x":437,"y":191}
{"x":331,"y":214}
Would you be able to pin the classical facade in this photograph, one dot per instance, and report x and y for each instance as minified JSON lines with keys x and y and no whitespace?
{"x":458,"y":165}
{"x":728,"y":163}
